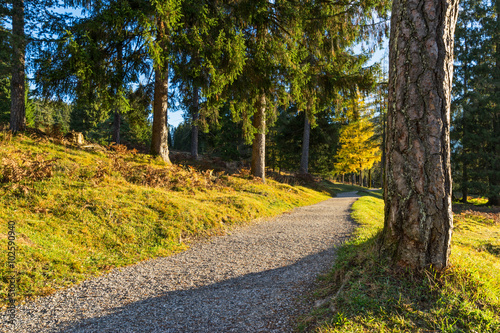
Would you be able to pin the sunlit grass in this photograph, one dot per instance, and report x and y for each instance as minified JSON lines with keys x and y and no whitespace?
{"x":374,"y":297}
{"x":91,"y":212}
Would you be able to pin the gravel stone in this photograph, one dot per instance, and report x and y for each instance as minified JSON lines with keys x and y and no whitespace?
{"x":250,"y":280}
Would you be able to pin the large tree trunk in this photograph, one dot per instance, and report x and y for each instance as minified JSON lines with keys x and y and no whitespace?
{"x":258,"y":167}
{"x":18,"y":89}
{"x":304,"y":160}
{"x":418,"y":217}
{"x":194,"y":127}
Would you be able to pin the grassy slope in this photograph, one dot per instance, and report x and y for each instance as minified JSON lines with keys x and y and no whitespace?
{"x":375,"y":298}
{"x":92,"y":211}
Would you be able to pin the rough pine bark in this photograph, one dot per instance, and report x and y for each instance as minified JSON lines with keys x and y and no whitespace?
{"x":18,"y":105}
{"x":194,"y":126}
{"x":304,"y":160}
{"x":418,"y":217}
{"x":258,"y":165}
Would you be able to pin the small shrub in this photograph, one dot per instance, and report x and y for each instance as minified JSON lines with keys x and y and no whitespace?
{"x":23,"y":167}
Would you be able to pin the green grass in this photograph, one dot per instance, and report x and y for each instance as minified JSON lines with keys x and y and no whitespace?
{"x":334,"y":188}
{"x":374,"y":297}
{"x":85,"y":212}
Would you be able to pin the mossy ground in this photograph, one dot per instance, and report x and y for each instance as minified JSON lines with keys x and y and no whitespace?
{"x":80,"y":213}
{"x":375,"y":297}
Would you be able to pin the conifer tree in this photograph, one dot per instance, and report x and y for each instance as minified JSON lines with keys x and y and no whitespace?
{"x":29,"y":18}
{"x":93,"y":60}
{"x":166,"y":18}
{"x":208,"y":55}
{"x":256,"y":92}
{"x":476,"y":100}
{"x":5,"y":68}
{"x":329,"y":70}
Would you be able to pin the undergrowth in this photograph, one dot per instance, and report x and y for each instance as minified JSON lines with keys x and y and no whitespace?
{"x":81,"y":211}
{"x":363,"y":294}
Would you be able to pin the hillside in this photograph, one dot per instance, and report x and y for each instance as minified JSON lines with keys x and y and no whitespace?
{"x":80,"y":211}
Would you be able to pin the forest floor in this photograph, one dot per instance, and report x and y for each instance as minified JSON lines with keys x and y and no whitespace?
{"x":364,"y":294}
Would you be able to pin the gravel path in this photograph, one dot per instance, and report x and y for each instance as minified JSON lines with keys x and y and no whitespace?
{"x":247,"y":281}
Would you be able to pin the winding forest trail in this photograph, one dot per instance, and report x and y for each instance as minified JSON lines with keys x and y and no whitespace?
{"x":250,"y":280}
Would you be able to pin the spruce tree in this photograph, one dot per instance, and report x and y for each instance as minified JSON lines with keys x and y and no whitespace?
{"x":208,"y":55}
{"x":476,"y":101}
{"x":328,"y":70}
{"x":5,"y":68}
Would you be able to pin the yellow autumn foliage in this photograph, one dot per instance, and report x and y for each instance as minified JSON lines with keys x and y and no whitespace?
{"x":358,"y":151}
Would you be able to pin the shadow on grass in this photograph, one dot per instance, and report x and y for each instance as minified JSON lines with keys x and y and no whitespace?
{"x":379,"y":194}
{"x":314,"y":183}
{"x":363,"y":293}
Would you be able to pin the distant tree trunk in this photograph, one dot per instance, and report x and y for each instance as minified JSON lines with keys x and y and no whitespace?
{"x":258,"y":168}
{"x":343,"y":179}
{"x":159,"y":140}
{"x":115,"y":137}
{"x":194,"y":126}
{"x":18,"y":88}
{"x":465,"y":176}
{"x":369,"y":178}
{"x":418,"y":217}
{"x":494,"y":179}
{"x":116,"y":127}
{"x":304,"y":160}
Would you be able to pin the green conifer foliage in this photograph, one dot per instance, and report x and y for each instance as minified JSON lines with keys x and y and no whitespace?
{"x":208,"y":55}
{"x":5,"y":74}
{"x":476,"y":100}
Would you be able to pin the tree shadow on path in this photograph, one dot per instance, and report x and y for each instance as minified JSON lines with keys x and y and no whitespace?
{"x":257,"y":302}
